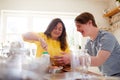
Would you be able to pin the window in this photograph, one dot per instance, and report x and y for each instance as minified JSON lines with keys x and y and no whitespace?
{"x":14,"y":23}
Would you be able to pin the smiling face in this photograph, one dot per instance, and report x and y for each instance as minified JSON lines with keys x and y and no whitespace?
{"x":57,"y":31}
{"x":84,"y":29}
{"x":86,"y":25}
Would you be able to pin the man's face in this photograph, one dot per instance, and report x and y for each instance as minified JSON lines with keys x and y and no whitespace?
{"x":84,"y":29}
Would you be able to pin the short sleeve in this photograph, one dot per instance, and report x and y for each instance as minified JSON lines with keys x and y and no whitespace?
{"x":108,"y":42}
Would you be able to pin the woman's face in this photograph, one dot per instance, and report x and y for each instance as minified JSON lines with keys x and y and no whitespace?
{"x":84,"y":29}
{"x":57,"y":31}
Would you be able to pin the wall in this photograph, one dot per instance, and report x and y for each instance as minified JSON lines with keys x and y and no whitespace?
{"x":73,"y":6}
{"x":117,"y":34}
{"x":111,"y":4}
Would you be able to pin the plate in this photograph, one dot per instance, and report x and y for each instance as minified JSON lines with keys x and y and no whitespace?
{"x":66,"y":69}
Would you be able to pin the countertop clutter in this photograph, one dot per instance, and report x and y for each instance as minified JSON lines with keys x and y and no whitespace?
{"x":76,"y":76}
{"x":19,"y":65}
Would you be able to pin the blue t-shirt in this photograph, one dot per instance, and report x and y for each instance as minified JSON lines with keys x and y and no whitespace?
{"x":106,"y":41}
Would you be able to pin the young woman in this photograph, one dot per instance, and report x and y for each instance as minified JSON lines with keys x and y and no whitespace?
{"x":52,"y":40}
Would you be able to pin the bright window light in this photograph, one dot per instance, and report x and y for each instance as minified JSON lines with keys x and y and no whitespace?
{"x":14,"y":23}
{"x":40,"y":24}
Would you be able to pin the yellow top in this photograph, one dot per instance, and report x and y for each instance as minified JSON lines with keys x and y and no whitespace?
{"x":53,"y":46}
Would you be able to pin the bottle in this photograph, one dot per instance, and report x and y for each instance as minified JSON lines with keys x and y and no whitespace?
{"x":45,"y":57}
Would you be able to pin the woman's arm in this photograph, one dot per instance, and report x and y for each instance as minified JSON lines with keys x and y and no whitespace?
{"x":30,"y":36}
{"x":35,"y":37}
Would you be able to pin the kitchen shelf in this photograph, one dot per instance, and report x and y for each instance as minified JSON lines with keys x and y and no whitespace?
{"x":112,"y":12}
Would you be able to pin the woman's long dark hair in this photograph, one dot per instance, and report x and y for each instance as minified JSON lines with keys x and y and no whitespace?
{"x":62,"y":38}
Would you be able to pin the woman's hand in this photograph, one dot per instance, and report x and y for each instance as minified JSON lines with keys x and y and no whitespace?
{"x":43,"y":43}
{"x":62,"y":60}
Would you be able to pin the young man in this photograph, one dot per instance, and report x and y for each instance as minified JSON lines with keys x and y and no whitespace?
{"x":102,"y":45}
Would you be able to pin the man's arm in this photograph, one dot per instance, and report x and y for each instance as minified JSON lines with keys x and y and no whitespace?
{"x":101,"y":57}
